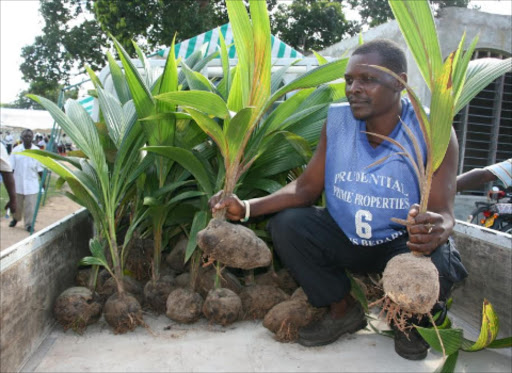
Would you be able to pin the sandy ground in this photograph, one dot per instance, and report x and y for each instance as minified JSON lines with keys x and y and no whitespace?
{"x":55,"y":208}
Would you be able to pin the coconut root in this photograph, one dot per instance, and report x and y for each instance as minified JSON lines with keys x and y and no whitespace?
{"x":394,"y":314}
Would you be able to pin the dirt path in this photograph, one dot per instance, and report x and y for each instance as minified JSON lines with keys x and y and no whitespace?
{"x":55,"y":208}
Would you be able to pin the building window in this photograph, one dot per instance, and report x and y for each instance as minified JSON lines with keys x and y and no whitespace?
{"x":484,"y":126}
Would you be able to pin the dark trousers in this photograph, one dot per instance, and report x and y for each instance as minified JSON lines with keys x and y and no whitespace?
{"x":317,"y":252}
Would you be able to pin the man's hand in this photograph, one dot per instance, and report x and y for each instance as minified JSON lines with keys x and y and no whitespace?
{"x":235,"y":209}
{"x":11,"y":205}
{"x":10,"y":186}
{"x":426,"y":230}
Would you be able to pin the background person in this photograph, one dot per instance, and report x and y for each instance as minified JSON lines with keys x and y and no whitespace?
{"x":477,"y":177}
{"x":27,"y":172}
{"x":354,"y":231}
{"x":8,"y":141}
{"x":8,"y":179}
{"x":40,"y":142}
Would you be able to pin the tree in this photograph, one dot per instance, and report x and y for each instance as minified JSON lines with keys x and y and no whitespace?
{"x":312,"y":25}
{"x":376,"y":12}
{"x":74,"y":35}
{"x":62,"y":50}
{"x":153,"y":23}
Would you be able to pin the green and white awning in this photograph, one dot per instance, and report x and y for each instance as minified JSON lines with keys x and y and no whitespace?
{"x":87,"y":103}
{"x":211,"y":38}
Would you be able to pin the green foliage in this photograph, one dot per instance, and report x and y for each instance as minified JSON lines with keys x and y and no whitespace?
{"x":172,"y":137}
{"x":243,"y":135}
{"x":65,"y":45}
{"x":312,"y":25}
{"x":248,"y":153}
{"x":156,"y":21}
{"x":103,"y":180}
{"x":453,"y":340}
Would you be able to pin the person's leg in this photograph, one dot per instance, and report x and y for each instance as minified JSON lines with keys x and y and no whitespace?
{"x":18,"y":214}
{"x":29,"y":209}
{"x":312,"y":246}
{"x":448,"y":262}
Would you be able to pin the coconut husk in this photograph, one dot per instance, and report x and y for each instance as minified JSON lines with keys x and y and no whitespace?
{"x":103,"y":276}
{"x":205,"y":281}
{"x":286,"y":318}
{"x":82,"y":277}
{"x":123,"y":312}
{"x":233,"y":245}
{"x":176,"y":258}
{"x":257,"y":300}
{"x":184,"y":305}
{"x":222,"y":306}
{"x":157,"y":292}
{"x":299,"y":294}
{"x":183,"y":280}
{"x":130,"y":285}
{"x":282,"y":279}
{"x":138,"y":259}
{"x":76,"y":308}
{"x":412,"y":282}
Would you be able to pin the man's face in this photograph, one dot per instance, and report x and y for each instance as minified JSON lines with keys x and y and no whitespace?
{"x":27,"y":138}
{"x":370,"y":92}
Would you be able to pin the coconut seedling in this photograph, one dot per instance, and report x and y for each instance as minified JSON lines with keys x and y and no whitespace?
{"x":167,"y":183}
{"x":233,"y":117}
{"x":101,"y":182}
{"x":411,"y":281}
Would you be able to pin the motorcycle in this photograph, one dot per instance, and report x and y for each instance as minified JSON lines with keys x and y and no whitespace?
{"x":496,"y":213}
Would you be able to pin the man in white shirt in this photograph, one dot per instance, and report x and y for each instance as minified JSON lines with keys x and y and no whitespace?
{"x":8,"y":141}
{"x":40,"y":142}
{"x":27,"y":172}
{"x":8,"y":179}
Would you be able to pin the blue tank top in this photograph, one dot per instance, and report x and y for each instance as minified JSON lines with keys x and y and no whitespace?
{"x":361,"y":199}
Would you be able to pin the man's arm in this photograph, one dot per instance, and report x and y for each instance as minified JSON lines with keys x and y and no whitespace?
{"x":301,"y":192}
{"x":439,"y":217}
{"x":8,"y":178}
{"x":474,"y":178}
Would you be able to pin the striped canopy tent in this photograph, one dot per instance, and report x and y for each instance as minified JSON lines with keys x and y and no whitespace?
{"x":211,"y":38}
{"x":88,"y":104}
{"x":207,"y":41}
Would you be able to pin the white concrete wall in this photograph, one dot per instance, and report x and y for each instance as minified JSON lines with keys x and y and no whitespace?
{"x":487,"y":255}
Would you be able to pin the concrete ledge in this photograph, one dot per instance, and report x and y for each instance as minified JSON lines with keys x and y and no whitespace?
{"x":487,"y":255}
{"x":33,"y":273}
